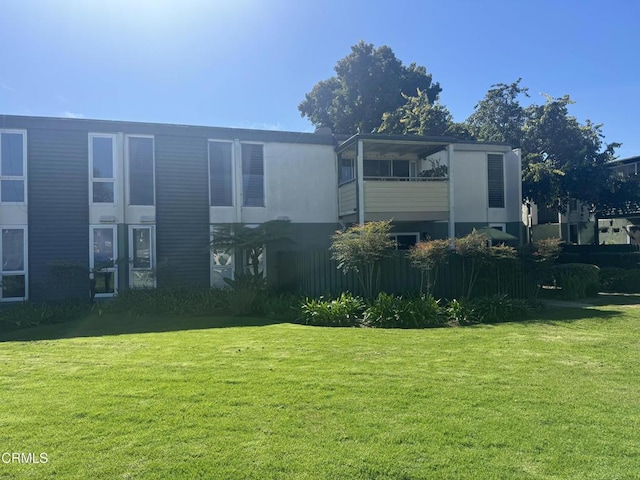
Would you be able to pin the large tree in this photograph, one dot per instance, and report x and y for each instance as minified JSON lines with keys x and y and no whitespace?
{"x":562,"y":158}
{"x":368,"y":83}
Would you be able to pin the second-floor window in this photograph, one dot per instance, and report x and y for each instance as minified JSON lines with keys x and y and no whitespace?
{"x":220,"y":174}
{"x":253,"y":175}
{"x":12,"y":166}
{"x":495,"y":176}
{"x":141,"y":170}
{"x":102,"y":166}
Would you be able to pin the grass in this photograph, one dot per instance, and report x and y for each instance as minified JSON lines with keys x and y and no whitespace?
{"x":147,"y":398}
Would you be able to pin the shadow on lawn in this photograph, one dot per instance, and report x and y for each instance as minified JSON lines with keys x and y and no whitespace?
{"x":557,"y":315}
{"x":95,"y":325}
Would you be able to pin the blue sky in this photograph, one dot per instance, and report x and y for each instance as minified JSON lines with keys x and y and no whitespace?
{"x":249,"y":63}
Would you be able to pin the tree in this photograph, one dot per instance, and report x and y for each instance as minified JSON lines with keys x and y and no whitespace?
{"x":561,"y":157}
{"x":419,"y":115}
{"x":499,"y":117}
{"x":429,"y":256}
{"x":360,"y":249}
{"x":369,"y":82}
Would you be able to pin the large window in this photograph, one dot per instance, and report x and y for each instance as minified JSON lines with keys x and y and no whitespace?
{"x":141,"y":170}
{"x":13,"y":245}
{"x":102,"y":166}
{"x":495,"y":175}
{"x":13,"y":157}
{"x":103,"y":260}
{"x":253,"y":175}
{"x":220,"y":174}
{"x":142,"y":260}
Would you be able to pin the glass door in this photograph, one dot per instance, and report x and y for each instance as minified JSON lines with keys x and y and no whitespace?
{"x":142,"y":257}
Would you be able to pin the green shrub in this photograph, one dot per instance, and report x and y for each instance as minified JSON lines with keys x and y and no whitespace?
{"x":620,"y":280}
{"x":577,"y":280}
{"x":26,"y":314}
{"x":344,"y":311}
{"x":461,"y":312}
{"x":500,"y":308}
{"x":281,"y":306}
{"x":172,"y":301}
{"x":390,"y":311}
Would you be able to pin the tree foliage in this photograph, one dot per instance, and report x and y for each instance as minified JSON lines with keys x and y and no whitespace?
{"x":420,"y":115}
{"x":561,"y":157}
{"x":499,"y":117}
{"x":360,"y":249}
{"x":368,"y":82}
{"x":428,"y":257}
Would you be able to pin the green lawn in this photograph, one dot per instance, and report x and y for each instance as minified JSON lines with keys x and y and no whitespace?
{"x":194,"y":398}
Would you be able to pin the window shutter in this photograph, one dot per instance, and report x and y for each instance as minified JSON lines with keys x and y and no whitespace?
{"x":495,"y":175}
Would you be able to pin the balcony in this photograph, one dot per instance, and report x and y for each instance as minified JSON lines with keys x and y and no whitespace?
{"x":414,"y":199}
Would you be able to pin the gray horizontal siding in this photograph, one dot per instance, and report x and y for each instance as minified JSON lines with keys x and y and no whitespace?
{"x":182,"y":210}
{"x":109,"y":126}
{"x":58,"y":202}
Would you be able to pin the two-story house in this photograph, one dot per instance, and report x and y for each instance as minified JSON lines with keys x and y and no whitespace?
{"x":136,"y":204}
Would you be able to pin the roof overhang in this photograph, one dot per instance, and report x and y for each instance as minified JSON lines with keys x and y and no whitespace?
{"x":395,"y":146}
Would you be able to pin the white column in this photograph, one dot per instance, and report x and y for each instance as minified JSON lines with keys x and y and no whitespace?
{"x":360,"y":177}
{"x":237,"y":166}
{"x":452,"y":217}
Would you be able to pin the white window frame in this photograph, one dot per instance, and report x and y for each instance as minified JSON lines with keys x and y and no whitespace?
{"x":128,"y":169}
{"x":264,"y":174}
{"x":394,"y":237}
{"x":213,"y":267}
{"x":504,"y":179}
{"x":114,"y":179}
{"x":22,"y":177}
{"x":152,"y":254}
{"x":233,"y":170}
{"x":15,"y":273}
{"x":113,"y":269}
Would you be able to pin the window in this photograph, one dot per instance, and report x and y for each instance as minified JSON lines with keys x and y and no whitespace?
{"x":102,"y":166}
{"x":377,"y":168}
{"x":346,"y":170}
{"x":13,"y":157}
{"x":404,"y":241}
{"x":389,"y":169}
{"x":102,"y":260}
{"x":222,"y":263}
{"x":220,"y":174}
{"x":14,"y":271}
{"x":141,"y":170}
{"x":248,"y":266}
{"x":495,"y":175}
{"x":142,"y":257}
{"x":252,"y":175}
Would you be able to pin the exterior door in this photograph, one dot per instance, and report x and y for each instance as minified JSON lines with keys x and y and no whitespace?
{"x":142,"y":257}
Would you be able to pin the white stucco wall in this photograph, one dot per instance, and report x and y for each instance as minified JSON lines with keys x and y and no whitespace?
{"x":469,"y":170}
{"x":301,"y":183}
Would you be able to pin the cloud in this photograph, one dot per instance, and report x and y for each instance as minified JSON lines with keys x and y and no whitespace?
{"x":72,"y":115}
{"x":6,"y":87}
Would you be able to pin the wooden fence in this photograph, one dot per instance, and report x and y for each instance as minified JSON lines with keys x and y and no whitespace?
{"x":315,"y":274}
